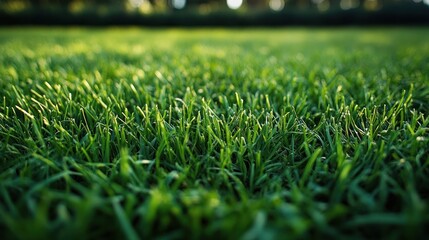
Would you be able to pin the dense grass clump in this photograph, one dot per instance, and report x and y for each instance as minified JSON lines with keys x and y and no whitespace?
{"x":253,"y":134}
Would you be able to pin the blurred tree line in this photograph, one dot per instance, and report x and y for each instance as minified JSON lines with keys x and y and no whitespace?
{"x":214,"y":12}
{"x":203,"y":5}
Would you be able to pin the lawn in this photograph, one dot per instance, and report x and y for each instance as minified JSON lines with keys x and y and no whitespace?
{"x":213,"y":133}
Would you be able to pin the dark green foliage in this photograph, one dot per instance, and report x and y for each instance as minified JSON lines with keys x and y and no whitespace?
{"x":397,"y":13}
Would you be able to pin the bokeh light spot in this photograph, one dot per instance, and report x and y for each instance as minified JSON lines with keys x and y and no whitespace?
{"x":179,"y":4}
{"x":277,"y":5}
{"x":234,"y":4}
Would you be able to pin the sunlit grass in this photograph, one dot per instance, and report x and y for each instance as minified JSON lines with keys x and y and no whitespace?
{"x":253,"y":134}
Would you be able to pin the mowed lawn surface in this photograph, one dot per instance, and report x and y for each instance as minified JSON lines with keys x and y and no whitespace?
{"x":226,"y":134}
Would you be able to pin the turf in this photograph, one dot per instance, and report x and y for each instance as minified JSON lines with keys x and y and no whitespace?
{"x":211,"y":133}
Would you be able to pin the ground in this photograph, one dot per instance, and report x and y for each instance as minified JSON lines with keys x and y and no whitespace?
{"x":214,"y":133}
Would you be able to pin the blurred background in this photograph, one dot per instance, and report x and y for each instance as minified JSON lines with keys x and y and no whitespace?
{"x":214,"y":12}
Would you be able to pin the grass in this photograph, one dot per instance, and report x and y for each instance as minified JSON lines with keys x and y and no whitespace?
{"x":252,"y":134}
